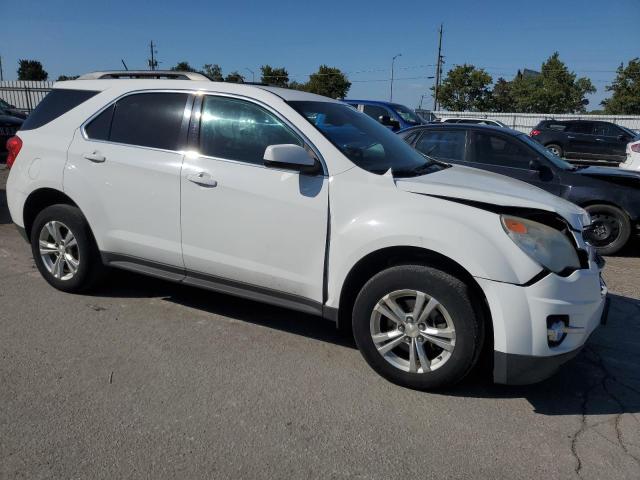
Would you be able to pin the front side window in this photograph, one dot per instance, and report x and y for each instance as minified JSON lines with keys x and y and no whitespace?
{"x":407,"y":115}
{"x":376,"y":111}
{"x":606,"y":130}
{"x":443,"y":145}
{"x":365,"y":142}
{"x":238,"y":130}
{"x":581,"y":127}
{"x":500,"y":151}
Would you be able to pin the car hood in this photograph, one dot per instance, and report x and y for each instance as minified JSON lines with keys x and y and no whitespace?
{"x":473,"y":185}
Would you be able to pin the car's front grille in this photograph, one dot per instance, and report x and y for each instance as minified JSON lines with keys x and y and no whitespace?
{"x":8,"y":131}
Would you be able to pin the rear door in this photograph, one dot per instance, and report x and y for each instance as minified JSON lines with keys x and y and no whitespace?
{"x":123,"y":169}
{"x":581,"y":141}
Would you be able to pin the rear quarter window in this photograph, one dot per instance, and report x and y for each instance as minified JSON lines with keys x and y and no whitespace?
{"x":56,"y":103}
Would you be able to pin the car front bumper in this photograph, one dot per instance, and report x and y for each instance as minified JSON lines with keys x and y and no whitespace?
{"x":520,"y":315}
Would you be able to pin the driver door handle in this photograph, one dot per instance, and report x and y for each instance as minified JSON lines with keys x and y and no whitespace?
{"x":95,"y":157}
{"x":202,"y":178}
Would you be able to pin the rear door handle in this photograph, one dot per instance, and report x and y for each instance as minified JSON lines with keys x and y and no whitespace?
{"x":202,"y":178}
{"x":95,"y":157}
{"x":599,"y":140}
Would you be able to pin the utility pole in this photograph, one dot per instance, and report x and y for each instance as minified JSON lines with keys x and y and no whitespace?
{"x":393,"y":61}
{"x":153,"y":63}
{"x":124,"y":64}
{"x":1,"y":74}
{"x":253,"y":75}
{"x":438,"y":71}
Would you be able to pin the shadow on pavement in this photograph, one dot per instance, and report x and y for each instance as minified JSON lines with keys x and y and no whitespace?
{"x":603,"y":379}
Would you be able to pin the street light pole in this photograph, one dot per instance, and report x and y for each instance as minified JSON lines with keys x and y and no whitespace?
{"x":393,"y":61}
{"x":253,"y":75}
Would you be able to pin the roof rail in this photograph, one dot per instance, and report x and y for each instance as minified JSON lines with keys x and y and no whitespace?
{"x":145,"y":74}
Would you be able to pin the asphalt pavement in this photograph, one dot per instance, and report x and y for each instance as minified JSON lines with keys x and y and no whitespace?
{"x":148,"y":379}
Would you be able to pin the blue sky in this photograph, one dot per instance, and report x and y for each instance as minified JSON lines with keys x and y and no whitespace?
{"x":360,"y":37}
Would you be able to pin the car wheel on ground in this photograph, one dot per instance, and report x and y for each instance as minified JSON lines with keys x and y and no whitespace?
{"x":64,"y":249}
{"x":610,"y":228}
{"x":417,"y":327}
{"x":555,"y":149}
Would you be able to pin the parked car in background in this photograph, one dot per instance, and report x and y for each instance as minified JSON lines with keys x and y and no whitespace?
{"x":632,"y":162}
{"x":391,"y":115}
{"x":610,"y":195}
{"x":12,"y":110}
{"x":298,"y":200}
{"x":477,"y":121}
{"x":9,"y":125}
{"x":584,"y":139}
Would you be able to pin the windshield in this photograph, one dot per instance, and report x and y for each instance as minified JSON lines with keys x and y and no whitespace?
{"x":364,"y":141}
{"x":557,"y":161}
{"x":406,"y":114}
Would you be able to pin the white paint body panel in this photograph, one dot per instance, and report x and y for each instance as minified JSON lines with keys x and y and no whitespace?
{"x":633,"y":158}
{"x":268,"y":228}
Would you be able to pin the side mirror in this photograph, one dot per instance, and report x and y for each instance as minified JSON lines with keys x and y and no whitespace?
{"x":623,"y":137}
{"x":544,"y":171}
{"x":387,"y":121}
{"x":290,"y":157}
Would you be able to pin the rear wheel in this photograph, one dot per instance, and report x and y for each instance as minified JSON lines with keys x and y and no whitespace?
{"x":416,"y":326}
{"x":555,"y":149}
{"x":64,"y":250}
{"x":610,"y":230}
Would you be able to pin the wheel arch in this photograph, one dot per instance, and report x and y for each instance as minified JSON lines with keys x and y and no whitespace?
{"x":40,"y":199}
{"x":376,"y":261}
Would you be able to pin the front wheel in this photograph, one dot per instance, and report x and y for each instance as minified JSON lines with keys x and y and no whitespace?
{"x":64,"y":250}
{"x":416,"y":326}
{"x":610,"y":228}
{"x":555,"y":149}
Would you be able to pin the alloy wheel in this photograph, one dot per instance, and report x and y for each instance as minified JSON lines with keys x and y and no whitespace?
{"x":59,"y":250}
{"x":412,"y":331}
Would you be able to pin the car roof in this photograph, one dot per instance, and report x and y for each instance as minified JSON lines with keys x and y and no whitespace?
{"x":461,"y":126}
{"x":136,"y":84}
{"x":370,"y":102}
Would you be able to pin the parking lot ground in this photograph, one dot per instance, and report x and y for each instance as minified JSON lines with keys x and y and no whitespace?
{"x":148,"y":379}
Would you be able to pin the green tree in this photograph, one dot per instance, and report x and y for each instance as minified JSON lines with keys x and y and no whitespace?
{"x":278,"y":77}
{"x":297,"y":86}
{"x":625,"y":98}
{"x":328,"y":81}
{"x":234,"y":77}
{"x":214,"y":72}
{"x":183,"y":67}
{"x":554,"y":90}
{"x":62,"y":78}
{"x":501,"y":97}
{"x":465,"y":88}
{"x":31,"y":70}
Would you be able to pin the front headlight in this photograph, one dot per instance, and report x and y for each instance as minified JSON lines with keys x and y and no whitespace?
{"x":546,"y":245}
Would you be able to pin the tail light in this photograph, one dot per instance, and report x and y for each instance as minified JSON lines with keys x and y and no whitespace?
{"x":534,"y":132}
{"x":635,"y":147}
{"x":14,"y":144}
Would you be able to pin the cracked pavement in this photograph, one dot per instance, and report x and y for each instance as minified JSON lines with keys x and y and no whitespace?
{"x":147,"y":379}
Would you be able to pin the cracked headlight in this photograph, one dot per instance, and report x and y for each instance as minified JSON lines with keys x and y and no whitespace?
{"x":546,"y":245}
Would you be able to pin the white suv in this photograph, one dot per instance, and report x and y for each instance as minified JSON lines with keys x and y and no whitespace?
{"x":298,"y":200}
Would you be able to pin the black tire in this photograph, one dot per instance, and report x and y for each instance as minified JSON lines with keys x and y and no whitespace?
{"x":555,"y":148}
{"x":90,"y":268}
{"x":453,"y":294}
{"x":611,"y":228}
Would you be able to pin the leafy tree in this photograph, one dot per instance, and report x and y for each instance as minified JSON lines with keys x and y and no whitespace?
{"x":501,"y":97}
{"x":554,"y":90}
{"x":278,"y":77}
{"x":67,"y":77}
{"x":625,"y":98}
{"x":465,"y":88}
{"x":183,"y":67}
{"x":31,"y":70}
{"x":234,"y":77}
{"x":214,"y":72}
{"x":297,"y":86}
{"x":328,"y":81}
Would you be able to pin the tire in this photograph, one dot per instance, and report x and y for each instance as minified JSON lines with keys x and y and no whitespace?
{"x":555,"y":149}
{"x":455,"y":310}
{"x":611,"y":228}
{"x":81,"y":267}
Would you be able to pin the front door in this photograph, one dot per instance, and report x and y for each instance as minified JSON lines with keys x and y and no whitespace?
{"x":123,"y":170}
{"x":245,"y":225}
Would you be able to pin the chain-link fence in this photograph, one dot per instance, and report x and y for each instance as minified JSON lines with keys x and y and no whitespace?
{"x":24,"y":95}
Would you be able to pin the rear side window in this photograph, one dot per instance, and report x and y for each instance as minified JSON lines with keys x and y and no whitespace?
{"x":443,"y":145}
{"x":581,"y":127}
{"x":55,"y":104}
{"x":145,"y":119}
